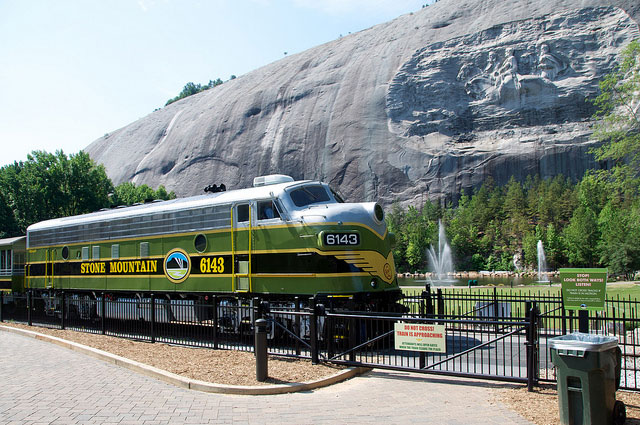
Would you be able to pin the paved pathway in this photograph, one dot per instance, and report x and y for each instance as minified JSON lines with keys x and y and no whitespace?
{"x":43,"y":383}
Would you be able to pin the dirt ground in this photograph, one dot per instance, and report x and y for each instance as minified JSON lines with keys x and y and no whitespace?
{"x":238,"y":368}
{"x":541,"y":405}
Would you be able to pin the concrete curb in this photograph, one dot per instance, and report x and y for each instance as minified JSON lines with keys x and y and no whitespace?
{"x":183,"y":382}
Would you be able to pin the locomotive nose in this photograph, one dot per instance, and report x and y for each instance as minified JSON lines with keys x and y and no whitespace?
{"x":369,"y":214}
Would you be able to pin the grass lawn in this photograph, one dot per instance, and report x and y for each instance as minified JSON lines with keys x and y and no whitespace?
{"x":626,"y":290}
{"x":623,"y":300}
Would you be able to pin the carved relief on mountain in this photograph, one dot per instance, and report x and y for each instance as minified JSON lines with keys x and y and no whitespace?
{"x":537,"y":71}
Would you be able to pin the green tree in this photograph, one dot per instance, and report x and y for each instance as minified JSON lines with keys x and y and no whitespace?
{"x":414,"y":255}
{"x":396,"y":222}
{"x":481,"y":204}
{"x":161,"y":193}
{"x":50,"y":185}
{"x":556,"y":200}
{"x":516,"y":221}
{"x":618,"y":125}
{"x":581,"y":237}
{"x":419,"y":235}
{"x":86,"y":186}
{"x":553,"y":246}
{"x":592,"y":192}
{"x":530,"y":248}
{"x":191,"y":88}
{"x":465,"y":236}
{"x":8,"y":224}
{"x":618,"y":247}
{"x":128,"y":193}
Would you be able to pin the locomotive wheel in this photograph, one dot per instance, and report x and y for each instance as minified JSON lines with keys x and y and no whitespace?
{"x":619,"y":413}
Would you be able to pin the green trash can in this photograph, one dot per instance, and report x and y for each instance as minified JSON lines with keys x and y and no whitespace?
{"x":588,"y":372}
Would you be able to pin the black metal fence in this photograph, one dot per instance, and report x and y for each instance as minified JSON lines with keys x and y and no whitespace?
{"x":620,"y":318}
{"x":491,"y":334}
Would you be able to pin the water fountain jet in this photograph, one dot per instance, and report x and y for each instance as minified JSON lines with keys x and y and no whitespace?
{"x":542,"y":264}
{"x":440,"y":262}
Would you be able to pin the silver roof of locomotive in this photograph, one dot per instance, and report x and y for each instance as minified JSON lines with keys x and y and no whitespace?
{"x":327,"y":211}
{"x":229,"y":197}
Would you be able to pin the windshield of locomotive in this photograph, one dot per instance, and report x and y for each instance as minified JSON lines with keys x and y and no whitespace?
{"x":308,"y":195}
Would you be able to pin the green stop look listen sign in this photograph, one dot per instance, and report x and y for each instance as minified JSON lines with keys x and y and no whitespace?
{"x":584,"y":289}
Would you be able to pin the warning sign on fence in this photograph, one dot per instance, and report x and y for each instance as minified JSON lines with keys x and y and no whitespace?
{"x":420,"y":337}
{"x":584,"y":289}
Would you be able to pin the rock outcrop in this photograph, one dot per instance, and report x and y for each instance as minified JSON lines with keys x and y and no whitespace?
{"x":422,"y":106}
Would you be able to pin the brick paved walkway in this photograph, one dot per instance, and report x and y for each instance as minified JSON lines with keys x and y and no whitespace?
{"x":43,"y":383}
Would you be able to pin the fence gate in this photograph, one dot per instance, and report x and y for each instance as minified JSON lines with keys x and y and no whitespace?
{"x":488,"y":348}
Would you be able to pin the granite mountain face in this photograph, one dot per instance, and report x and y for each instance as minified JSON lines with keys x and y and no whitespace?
{"x":420,"y":107}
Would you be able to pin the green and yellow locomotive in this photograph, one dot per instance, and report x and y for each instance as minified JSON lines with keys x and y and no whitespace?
{"x":281,"y":238}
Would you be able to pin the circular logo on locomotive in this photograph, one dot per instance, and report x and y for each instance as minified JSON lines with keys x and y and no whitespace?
{"x":177,"y":265}
{"x":387,"y":271}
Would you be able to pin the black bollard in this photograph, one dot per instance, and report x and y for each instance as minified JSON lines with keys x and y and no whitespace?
{"x":261,"y":350}
{"x":583,"y":321}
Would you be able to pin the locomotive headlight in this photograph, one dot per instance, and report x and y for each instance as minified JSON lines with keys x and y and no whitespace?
{"x":374,"y":283}
{"x":378,"y":213}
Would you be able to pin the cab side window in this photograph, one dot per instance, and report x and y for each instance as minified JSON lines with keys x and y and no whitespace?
{"x":267,"y":211}
{"x":243,"y":213}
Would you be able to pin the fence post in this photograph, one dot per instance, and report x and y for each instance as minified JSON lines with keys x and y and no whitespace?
{"x":152,"y":304}
{"x":353,"y":339}
{"x":330,"y":335}
{"x":313,"y":334}
{"x":537,"y":324}
{"x":29,"y":306}
{"x":440,"y":302}
{"x":531,"y":344}
{"x":429,"y":300}
{"x":564,"y":317}
{"x":260,"y":349}
{"x":1,"y":306}
{"x":570,"y":321}
{"x":103,"y":309}
{"x":496,"y":314}
{"x":257,"y":308}
{"x":296,"y":324}
{"x":428,"y":304}
{"x":63,"y":310}
{"x":215,"y":321}
{"x":583,"y":321}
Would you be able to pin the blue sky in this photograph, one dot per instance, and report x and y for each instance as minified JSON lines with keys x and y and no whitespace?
{"x":73,"y":70}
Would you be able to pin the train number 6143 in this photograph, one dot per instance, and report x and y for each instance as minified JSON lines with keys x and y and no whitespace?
{"x":212,"y":265}
{"x":348,"y":239}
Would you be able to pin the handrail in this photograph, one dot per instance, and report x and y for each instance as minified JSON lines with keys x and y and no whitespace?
{"x":234,"y":275}
{"x":46,"y":267}
{"x":233,"y":256}
{"x":53,"y":265}
{"x":250,"y":240}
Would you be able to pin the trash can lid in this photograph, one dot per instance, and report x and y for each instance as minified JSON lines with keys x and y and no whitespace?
{"x":583,"y":341}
